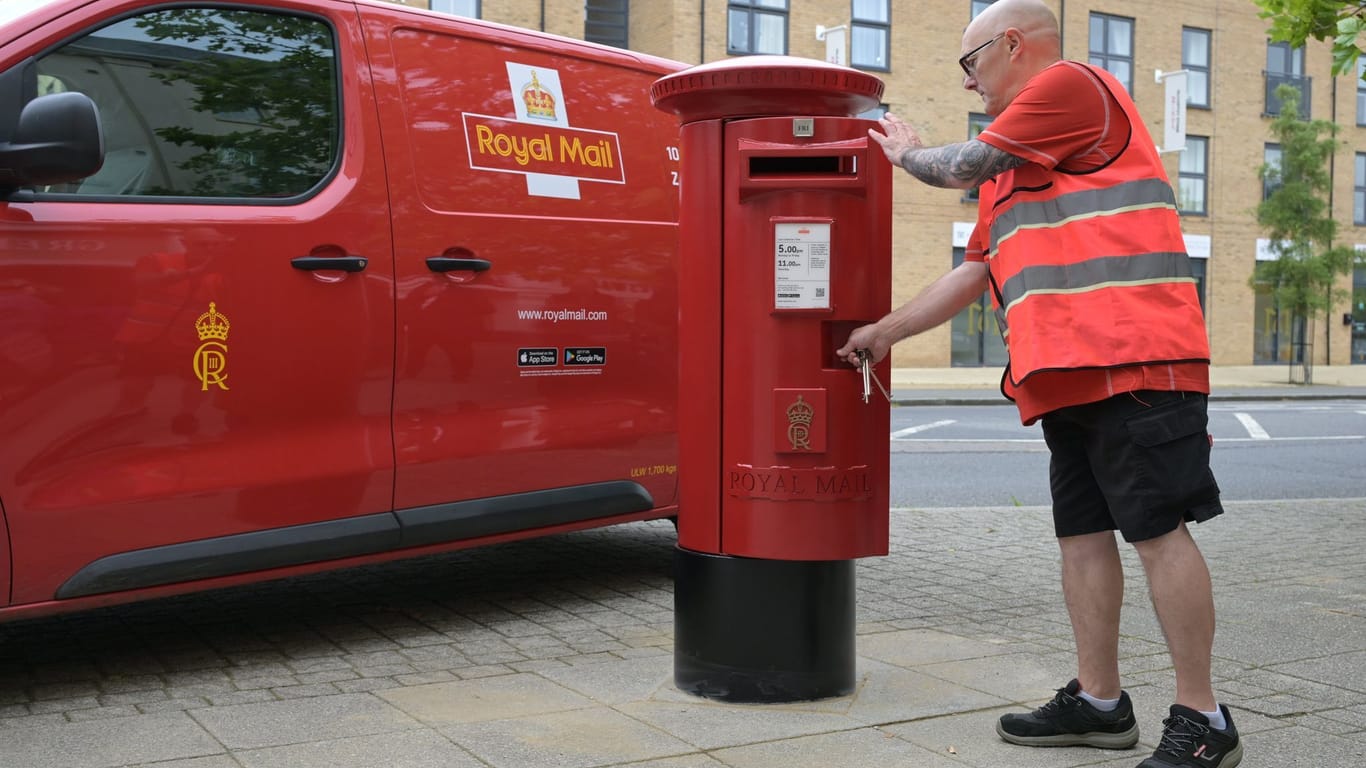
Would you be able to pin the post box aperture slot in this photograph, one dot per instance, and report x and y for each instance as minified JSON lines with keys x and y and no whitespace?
{"x":768,"y":170}
{"x":761,"y":166}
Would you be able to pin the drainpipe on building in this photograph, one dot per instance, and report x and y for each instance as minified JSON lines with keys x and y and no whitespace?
{"x":1062,"y":25}
{"x":542,"y":15}
{"x":1332,"y":182}
{"x":702,"y":32}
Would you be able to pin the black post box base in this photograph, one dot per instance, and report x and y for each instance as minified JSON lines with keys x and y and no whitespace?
{"x":748,"y":630}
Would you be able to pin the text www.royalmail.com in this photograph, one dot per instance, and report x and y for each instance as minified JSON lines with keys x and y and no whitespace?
{"x":557,"y":315}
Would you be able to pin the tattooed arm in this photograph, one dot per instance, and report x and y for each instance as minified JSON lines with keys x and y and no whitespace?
{"x":959,"y":166}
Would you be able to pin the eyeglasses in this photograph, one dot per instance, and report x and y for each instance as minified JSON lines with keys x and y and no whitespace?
{"x":968,"y":61}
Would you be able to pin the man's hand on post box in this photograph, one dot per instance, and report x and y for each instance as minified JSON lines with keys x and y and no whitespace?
{"x":897,"y":139}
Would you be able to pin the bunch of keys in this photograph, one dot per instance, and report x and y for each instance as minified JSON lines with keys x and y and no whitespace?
{"x":866,"y":367}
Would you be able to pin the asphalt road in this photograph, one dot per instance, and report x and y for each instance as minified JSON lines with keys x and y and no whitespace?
{"x":976,"y":455}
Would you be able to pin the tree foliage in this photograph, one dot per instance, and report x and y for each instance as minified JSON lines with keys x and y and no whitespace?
{"x":270,"y":76}
{"x":1342,"y":21}
{"x":1297,"y":217}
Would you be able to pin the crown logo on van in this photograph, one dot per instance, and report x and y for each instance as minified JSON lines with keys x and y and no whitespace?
{"x":212,"y":325}
{"x":540,"y":103}
{"x":211,"y":359}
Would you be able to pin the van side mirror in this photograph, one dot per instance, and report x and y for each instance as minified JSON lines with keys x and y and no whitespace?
{"x":57,"y":139}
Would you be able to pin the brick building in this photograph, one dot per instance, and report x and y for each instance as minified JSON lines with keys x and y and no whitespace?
{"x":913,"y":46}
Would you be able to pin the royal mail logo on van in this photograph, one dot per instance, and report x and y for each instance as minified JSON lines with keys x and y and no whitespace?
{"x":539,"y":142}
{"x":499,"y":144}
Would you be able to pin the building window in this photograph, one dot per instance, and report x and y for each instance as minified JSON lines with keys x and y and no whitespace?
{"x":1285,"y":66}
{"x":1359,"y":192}
{"x":757,"y":26}
{"x":1112,"y":46}
{"x":977,"y":122}
{"x":1361,"y":91}
{"x":870,"y":29}
{"x":976,"y":336}
{"x":1195,"y":60}
{"x":1198,"y":272}
{"x":1277,"y":334}
{"x":980,"y":5}
{"x":468,"y":8}
{"x":1271,"y":170}
{"x":1193,"y":181}
{"x":606,"y":22}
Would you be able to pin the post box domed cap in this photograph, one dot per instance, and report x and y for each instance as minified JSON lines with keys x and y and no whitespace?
{"x":752,"y":86}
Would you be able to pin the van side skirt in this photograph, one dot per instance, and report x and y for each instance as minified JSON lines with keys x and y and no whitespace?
{"x":354,"y":536}
{"x":521,"y":511}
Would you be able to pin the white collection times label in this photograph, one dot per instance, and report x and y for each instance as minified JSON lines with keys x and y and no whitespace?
{"x":801,"y":265}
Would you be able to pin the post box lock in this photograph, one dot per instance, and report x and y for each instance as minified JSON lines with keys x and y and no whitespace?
{"x":803,"y":127}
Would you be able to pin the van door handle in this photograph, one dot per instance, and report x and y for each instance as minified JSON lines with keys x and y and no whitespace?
{"x":450,"y":264}
{"x":344,"y":263}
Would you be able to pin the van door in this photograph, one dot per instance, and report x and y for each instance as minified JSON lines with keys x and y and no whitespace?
{"x":536,"y":269}
{"x":198,"y":339}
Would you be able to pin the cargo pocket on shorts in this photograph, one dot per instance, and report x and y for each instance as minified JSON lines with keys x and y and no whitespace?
{"x":1171,"y":451}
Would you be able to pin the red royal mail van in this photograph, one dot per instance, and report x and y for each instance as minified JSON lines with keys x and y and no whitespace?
{"x":287,"y":285}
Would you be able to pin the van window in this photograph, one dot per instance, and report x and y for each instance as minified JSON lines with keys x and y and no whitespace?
{"x":206,"y":102}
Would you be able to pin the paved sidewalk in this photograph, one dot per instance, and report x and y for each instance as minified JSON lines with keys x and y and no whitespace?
{"x":557,"y":654}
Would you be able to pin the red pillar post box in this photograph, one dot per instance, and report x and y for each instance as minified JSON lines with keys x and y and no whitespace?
{"x":785,"y":233}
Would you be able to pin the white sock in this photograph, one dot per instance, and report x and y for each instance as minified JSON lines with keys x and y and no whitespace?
{"x":1104,"y":705}
{"x":1216,"y":718}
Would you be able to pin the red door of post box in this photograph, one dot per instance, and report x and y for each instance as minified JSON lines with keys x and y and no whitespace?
{"x":804,"y":460}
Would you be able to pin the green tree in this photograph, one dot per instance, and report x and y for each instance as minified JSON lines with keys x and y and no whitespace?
{"x":1294,"y":21}
{"x":1299,"y":221}
{"x":272,"y":75}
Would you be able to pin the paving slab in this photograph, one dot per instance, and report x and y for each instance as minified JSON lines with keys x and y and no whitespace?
{"x":888,"y":694}
{"x":406,"y":749}
{"x":488,"y":698}
{"x":863,"y":747}
{"x":580,"y":738}
{"x":617,"y":682}
{"x":105,"y":743}
{"x":710,"y":725}
{"x":274,"y":723}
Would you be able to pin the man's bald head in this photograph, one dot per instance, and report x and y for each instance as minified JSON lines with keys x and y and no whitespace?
{"x":1028,"y":16}
{"x":1007,"y":45}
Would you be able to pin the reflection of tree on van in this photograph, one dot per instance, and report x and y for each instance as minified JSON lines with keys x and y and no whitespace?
{"x":207,"y":102}
{"x":271,"y":72}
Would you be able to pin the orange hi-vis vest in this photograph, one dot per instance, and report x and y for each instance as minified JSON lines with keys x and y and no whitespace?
{"x":1088,"y":269}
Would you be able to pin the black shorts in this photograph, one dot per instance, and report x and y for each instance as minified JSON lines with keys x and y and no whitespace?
{"x":1137,"y":462}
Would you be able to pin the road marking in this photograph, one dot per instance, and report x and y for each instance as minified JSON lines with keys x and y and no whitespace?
{"x":1217,"y":439}
{"x":1253,"y":428}
{"x":921,"y":428}
{"x":1274,"y":406}
{"x":1301,"y":438}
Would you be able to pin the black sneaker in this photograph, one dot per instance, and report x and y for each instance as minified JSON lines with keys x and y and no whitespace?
{"x":1187,"y":740}
{"x":1069,"y":721}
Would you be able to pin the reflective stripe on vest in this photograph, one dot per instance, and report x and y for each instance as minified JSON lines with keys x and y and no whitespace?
{"x":1095,"y":274}
{"x":1064,"y":209}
